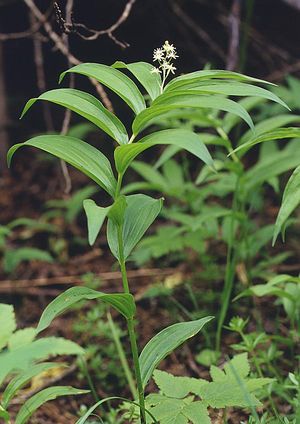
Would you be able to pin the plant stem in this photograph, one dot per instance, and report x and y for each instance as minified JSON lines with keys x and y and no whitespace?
{"x":122,"y":356}
{"x":86,"y":373}
{"x":135,"y":357}
{"x":130,"y":321}
{"x":118,"y":188}
{"x":232,"y":253}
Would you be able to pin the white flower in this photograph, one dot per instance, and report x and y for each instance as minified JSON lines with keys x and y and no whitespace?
{"x":155,"y":70}
{"x":168,"y":48}
{"x":158,"y":54}
{"x":172,"y":54}
{"x":169,"y":67}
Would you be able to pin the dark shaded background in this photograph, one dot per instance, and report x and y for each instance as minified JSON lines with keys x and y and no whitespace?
{"x":272,"y":47}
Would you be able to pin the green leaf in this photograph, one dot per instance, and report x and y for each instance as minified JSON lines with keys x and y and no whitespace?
{"x":279,"y":133}
{"x":87,"y":106}
{"x":271,"y":288}
{"x":142,"y":71}
{"x":24,"y":378}
{"x":179,"y":100}
{"x":240,"y":364}
{"x":197,"y":413}
{"x":12,"y":258}
{"x":178,"y":411}
{"x":205,"y":75}
{"x":95,"y":218}
{"x":231,"y":387}
{"x":272,"y":166}
{"x":21,"y":338}
{"x":124,"y":303}
{"x":37,"y":400}
{"x":7,"y":323}
{"x":267,"y":125}
{"x":77,"y":153}
{"x":177,"y":387}
{"x":226,"y":393}
{"x":4,"y":414}
{"x":117,"y":210}
{"x":139,"y":214}
{"x":184,"y":139}
{"x":249,"y":103}
{"x":290,"y":200}
{"x":149,"y":173}
{"x":239,"y":89}
{"x":163,"y":343}
{"x":114,"y":80}
{"x":38,"y":350}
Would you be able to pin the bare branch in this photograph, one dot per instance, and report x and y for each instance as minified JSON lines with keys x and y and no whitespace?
{"x":234,"y":40}
{"x":40,"y":72}
{"x":60,"y":45}
{"x":95,"y":34}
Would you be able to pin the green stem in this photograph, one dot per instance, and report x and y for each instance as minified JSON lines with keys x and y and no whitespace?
{"x":122,"y":356}
{"x":135,"y":357}
{"x":118,"y":188}
{"x":230,"y":269}
{"x":86,"y":373}
{"x":130,"y":321}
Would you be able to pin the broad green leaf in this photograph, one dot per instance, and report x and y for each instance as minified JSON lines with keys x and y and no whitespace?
{"x":87,"y":106}
{"x":117,"y":210}
{"x":272,"y":288}
{"x":179,"y":100}
{"x":240,"y":364}
{"x":227,"y":393}
{"x":269,"y":124}
{"x":124,"y":303}
{"x":229,"y":89}
{"x":279,"y":133}
{"x":177,"y":387}
{"x":184,"y":139}
{"x":290,"y":200}
{"x":230,"y":121}
{"x":21,"y":338}
{"x":77,"y":153}
{"x":231,"y":387}
{"x":95,"y":218}
{"x":142,"y":71}
{"x":197,"y":413}
{"x":22,"y":379}
{"x":12,"y":258}
{"x":272,"y":166}
{"x":114,"y":80}
{"x":139,"y":214}
{"x":7,"y":323}
{"x":37,"y":400}
{"x":38,"y":350}
{"x":163,"y":343}
{"x":149,"y":173}
{"x":167,"y":410}
{"x":177,"y":411}
{"x":205,"y":75}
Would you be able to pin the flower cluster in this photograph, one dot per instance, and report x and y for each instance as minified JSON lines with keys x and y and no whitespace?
{"x":164,"y":56}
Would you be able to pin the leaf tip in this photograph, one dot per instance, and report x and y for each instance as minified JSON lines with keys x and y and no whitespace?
{"x":61,"y":77}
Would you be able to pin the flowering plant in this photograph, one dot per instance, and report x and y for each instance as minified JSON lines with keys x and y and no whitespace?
{"x":129,"y":216}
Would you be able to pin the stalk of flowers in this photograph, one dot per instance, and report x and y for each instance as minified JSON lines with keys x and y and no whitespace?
{"x":164,"y":56}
